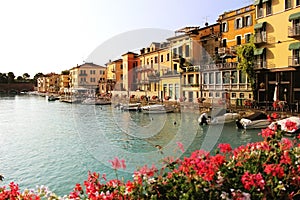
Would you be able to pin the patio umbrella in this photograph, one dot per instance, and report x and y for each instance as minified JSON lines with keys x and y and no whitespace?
{"x":275,"y":97}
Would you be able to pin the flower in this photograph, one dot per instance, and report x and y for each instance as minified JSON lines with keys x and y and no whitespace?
{"x":224,"y":148}
{"x":117,"y":163}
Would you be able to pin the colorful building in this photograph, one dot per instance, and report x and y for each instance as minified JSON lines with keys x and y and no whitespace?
{"x":114,"y":73}
{"x":277,"y":38}
{"x":130,"y":62}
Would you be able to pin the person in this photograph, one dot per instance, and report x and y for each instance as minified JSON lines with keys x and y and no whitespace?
{"x":203,"y":119}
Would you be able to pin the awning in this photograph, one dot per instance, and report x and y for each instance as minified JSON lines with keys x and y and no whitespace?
{"x":259,"y":51}
{"x":264,"y":1}
{"x":225,"y":56}
{"x":256,"y":2}
{"x":294,"y":45}
{"x":294,"y":16}
{"x":260,"y":25}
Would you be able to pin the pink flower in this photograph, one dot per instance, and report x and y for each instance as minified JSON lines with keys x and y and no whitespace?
{"x":117,"y":163}
{"x":291,"y":126}
{"x":266,"y":133}
{"x":180,"y":145}
{"x":224,"y":148}
{"x":252,"y":180}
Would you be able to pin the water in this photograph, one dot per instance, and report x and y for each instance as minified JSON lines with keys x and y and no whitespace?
{"x":56,"y":144}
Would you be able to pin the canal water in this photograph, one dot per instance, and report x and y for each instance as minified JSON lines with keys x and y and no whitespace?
{"x":56,"y":144}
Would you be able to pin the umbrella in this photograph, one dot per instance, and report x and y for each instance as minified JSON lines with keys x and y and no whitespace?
{"x":275,"y":97}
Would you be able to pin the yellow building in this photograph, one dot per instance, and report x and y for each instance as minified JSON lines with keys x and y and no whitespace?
{"x":64,"y":83}
{"x":277,"y":36}
{"x":231,"y":84}
{"x":114,"y":72}
{"x":155,"y":60}
{"x":52,"y":82}
{"x":86,"y":76}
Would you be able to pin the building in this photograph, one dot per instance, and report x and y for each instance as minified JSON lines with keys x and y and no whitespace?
{"x":64,"y":83}
{"x":227,"y":82}
{"x":277,"y":38}
{"x":154,"y":62}
{"x":129,"y":62}
{"x":114,"y":72}
{"x":86,"y":76}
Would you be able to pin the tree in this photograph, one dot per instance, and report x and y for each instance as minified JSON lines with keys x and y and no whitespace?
{"x":20,"y":78}
{"x":3,"y":78}
{"x":26,"y":76}
{"x":246,"y":59}
{"x":40,"y":74}
{"x":65,"y":72}
{"x":11,"y":77}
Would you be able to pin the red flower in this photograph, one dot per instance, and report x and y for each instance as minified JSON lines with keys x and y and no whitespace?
{"x":291,"y":126}
{"x":252,"y":180}
{"x":266,"y":133}
{"x":274,"y":170}
{"x":224,"y":148}
{"x":117,"y":163}
{"x":180,"y":145}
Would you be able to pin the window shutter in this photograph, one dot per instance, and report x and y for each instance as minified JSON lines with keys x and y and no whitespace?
{"x":250,"y":20}
{"x":235,"y":24}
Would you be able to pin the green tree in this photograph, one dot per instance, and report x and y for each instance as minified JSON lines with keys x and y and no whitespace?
{"x":11,"y":77}
{"x":246,"y":59}
{"x":26,"y":76}
{"x":3,"y":78}
{"x":65,"y":72}
{"x":20,"y":79}
{"x":34,"y":80}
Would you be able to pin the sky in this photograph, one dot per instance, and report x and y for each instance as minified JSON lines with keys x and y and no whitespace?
{"x":52,"y":36}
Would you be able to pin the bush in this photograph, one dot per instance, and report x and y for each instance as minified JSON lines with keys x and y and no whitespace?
{"x":269,"y":169}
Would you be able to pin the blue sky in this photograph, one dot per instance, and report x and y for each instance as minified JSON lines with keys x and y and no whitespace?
{"x":51,"y":36}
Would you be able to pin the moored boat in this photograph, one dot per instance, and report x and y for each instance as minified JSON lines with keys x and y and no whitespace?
{"x":131,"y":107}
{"x":255,"y":121}
{"x":156,"y":109}
{"x":288,"y":128}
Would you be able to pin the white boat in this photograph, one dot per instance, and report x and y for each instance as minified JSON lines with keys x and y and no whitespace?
{"x":96,"y":101}
{"x":131,"y":107}
{"x":221,"y":117}
{"x":156,"y":109}
{"x":283,"y":126}
{"x":254,"y":121}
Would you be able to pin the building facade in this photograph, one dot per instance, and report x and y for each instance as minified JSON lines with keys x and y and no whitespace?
{"x":277,"y":38}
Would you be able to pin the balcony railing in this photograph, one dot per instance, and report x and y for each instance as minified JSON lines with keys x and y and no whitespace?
{"x":223,"y":50}
{"x":260,"y":64}
{"x":219,"y":66}
{"x":294,"y":61}
{"x":294,"y":31}
{"x":260,"y":37}
{"x":170,"y":73}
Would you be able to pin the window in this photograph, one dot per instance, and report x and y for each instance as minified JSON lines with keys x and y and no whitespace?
{"x":171,"y":90}
{"x":191,"y":79}
{"x":218,"y":78}
{"x":176,"y":91}
{"x":205,"y":78}
{"x":224,"y":27}
{"x":82,"y":72}
{"x":180,"y":50}
{"x":210,"y":94}
{"x":234,"y":77}
{"x":297,"y":2}
{"x":269,"y":7}
{"x":161,"y":58}
{"x":92,"y":80}
{"x":211,"y":78}
{"x":288,"y":4}
{"x":187,"y":50}
{"x":233,"y":95}
{"x":260,"y":10}
{"x":168,"y":56}
{"x":238,"y":23}
{"x":155,"y":59}
{"x":247,"y":38}
{"x":242,"y":77}
{"x":248,"y":20}
{"x":92,"y":71}
{"x":174,"y":52}
{"x":121,"y":66}
{"x":224,"y":43}
{"x":250,"y":96}
{"x":239,"y":40}
{"x":175,"y":67}
{"x":217,"y":94}
{"x":242,"y":95}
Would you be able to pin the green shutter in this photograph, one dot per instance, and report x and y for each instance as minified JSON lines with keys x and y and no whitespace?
{"x":259,"y":51}
{"x":259,"y":25}
{"x":294,"y":16}
{"x":295,"y":45}
{"x":256,"y":2}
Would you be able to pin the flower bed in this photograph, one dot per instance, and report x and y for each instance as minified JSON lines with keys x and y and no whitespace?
{"x":269,"y":169}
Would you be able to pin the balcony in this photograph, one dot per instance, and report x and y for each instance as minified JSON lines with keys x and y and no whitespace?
{"x":170,"y":74}
{"x":294,"y":32}
{"x":260,"y":37}
{"x":223,"y":50}
{"x":191,"y":69}
{"x":294,"y":61}
{"x":144,"y":68}
{"x":219,"y":66}
{"x":260,"y":64}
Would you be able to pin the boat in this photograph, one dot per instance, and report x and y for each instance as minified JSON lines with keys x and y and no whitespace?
{"x":130,"y":107}
{"x":219,"y":117}
{"x":52,"y":98}
{"x":255,"y":121}
{"x":156,"y":109}
{"x":283,"y":126}
{"x":96,"y":101}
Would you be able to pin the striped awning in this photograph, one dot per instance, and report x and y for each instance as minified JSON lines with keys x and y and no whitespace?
{"x":260,"y":25}
{"x":294,"y":45}
{"x":294,"y":16}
